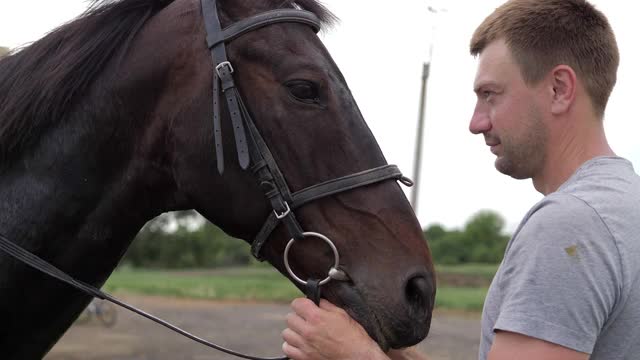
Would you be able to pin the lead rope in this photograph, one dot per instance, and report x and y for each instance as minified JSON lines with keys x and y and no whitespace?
{"x":45,"y":267}
{"x":312,"y":290}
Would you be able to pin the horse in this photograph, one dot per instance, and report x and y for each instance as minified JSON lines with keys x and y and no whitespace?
{"x":106,"y":122}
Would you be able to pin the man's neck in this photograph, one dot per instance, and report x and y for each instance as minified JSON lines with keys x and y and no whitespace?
{"x":570,"y":147}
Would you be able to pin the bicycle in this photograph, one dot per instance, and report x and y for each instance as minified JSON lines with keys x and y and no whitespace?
{"x":104,"y":311}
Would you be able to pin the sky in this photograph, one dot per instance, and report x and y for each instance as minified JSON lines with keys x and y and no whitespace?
{"x":381,"y":50}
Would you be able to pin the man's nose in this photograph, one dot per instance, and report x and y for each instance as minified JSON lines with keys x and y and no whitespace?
{"x":480,"y":122}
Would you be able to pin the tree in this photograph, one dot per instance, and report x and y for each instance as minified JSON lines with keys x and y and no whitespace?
{"x":185,"y":240}
{"x":482,"y":240}
{"x":484,"y":232}
{"x":434,"y":233}
{"x":450,"y":248}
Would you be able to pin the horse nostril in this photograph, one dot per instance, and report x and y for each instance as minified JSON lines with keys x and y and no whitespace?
{"x":419,"y":292}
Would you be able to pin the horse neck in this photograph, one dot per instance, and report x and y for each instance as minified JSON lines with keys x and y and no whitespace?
{"x":88,"y":185}
{"x":76,"y":199}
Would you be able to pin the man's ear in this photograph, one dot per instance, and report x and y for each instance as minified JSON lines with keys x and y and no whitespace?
{"x":564,"y":86}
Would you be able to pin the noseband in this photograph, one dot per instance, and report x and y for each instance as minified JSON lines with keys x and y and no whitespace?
{"x":253,"y":154}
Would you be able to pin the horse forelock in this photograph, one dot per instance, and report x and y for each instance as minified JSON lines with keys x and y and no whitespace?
{"x":244,"y":8}
{"x":40,"y":84}
{"x":326,"y":17}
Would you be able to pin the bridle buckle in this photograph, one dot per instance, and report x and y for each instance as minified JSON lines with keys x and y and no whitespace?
{"x":284,"y":214}
{"x":223,"y":64}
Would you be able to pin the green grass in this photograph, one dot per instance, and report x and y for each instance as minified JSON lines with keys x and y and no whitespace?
{"x":256,"y":284}
{"x":468,"y":299}
{"x":245,"y":284}
{"x":483,"y":270}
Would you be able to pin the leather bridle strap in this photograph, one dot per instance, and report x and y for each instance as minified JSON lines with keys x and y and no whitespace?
{"x":245,"y":25}
{"x":327,"y":188}
{"x":251,"y":148}
{"x":349,"y":182}
{"x":216,"y":39}
{"x":224,"y":71}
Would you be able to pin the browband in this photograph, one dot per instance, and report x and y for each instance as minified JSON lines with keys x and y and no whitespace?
{"x":270,"y":17}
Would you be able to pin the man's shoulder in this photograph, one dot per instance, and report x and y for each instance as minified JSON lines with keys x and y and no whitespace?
{"x":605,"y":184}
{"x":560,"y":210}
{"x":561,"y":222}
{"x":602,"y":198}
{"x":605,"y":194}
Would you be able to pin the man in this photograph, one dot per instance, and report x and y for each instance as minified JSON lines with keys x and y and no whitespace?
{"x":569,"y":284}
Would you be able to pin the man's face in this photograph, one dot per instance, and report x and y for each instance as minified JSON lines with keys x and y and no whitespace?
{"x":507,"y":114}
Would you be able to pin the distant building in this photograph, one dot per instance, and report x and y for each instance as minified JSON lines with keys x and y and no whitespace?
{"x":3,"y":51}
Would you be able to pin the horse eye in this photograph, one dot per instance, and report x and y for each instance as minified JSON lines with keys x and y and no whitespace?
{"x":303,"y":90}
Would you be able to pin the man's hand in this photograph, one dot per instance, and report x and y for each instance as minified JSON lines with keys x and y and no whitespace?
{"x":326,"y":332}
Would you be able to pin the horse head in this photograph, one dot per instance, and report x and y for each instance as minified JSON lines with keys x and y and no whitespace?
{"x":310,"y":122}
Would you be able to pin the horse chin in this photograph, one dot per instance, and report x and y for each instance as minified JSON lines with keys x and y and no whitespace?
{"x":393,"y":336}
{"x":350,"y":300}
{"x":372,"y":325}
{"x":409,"y":335}
{"x":383,"y":328}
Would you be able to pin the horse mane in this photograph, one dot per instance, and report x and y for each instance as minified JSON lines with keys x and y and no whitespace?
{"x":41,"y":83}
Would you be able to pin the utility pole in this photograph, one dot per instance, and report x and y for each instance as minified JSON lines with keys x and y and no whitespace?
{"x":417,"y":162}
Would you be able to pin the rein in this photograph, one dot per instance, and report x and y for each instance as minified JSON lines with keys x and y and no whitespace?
{"x":39,"y":264}
{"x":253,"y":154}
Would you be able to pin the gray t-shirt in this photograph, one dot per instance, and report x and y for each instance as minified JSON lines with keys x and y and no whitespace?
{"x":571,"y":272}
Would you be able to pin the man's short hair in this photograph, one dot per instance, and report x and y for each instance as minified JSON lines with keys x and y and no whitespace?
{"x":542,"y":34}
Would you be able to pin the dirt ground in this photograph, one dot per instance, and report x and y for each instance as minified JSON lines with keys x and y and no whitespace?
{"x":249,"y":328}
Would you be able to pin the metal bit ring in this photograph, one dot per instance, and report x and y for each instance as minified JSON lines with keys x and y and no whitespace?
{"x":319,"y":236}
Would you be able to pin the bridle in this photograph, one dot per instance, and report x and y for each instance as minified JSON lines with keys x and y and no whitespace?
{"x":253,"y":154}
{"x":251,"y":148}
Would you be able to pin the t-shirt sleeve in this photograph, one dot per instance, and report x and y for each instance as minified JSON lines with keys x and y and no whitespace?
{"x":561,"y":276}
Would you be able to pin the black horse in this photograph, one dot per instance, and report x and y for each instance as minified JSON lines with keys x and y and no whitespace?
{"x":107,"y":122}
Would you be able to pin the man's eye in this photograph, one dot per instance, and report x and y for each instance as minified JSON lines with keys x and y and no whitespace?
{"x":303,"y":90}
